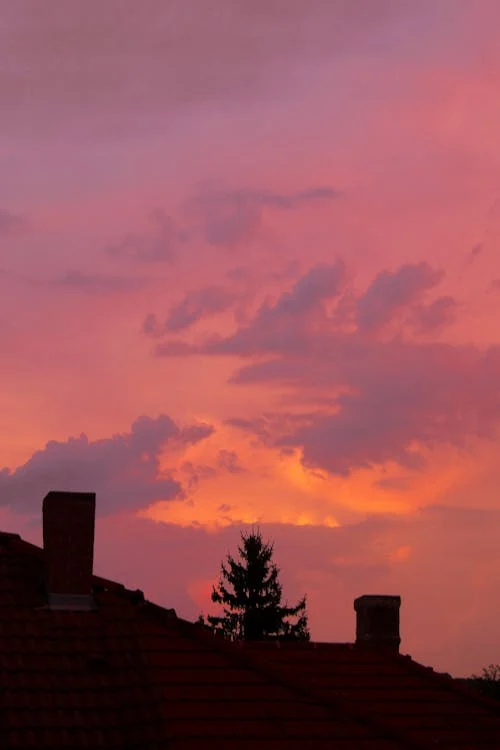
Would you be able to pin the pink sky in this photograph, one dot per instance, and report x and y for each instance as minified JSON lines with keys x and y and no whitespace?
{"x":250,"y":273}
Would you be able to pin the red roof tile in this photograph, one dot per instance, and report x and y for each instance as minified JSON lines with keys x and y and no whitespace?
{"x":420,"y":705}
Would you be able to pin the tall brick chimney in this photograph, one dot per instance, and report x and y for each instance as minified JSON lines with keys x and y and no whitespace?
{"x":377,"y":621}
{"x":68,"y":541}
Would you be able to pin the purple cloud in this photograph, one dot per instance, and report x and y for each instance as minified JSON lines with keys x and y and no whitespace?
{"x":157,"y":246}
{"x":433,"y":317}
{"x":386,"y":397}
{"x":97,"y":283}
{"x":376,"y":398}
{"x":229,"y":461}
{"x":225,"y":217}
{"x":288,"y":321}
{"x":392,"y":292}
{"x":124,"y":469}
{"x":199,"y":304}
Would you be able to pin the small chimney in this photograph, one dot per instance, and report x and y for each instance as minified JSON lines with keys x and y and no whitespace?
{"x":68,"y":541}
{"x":377,"y":621}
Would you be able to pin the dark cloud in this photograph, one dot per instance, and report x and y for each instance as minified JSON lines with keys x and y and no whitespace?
{"x":229,"y":461}
{"x":226,"y":217}
{"x":472,"y":256}
{"x":175,"y":349}
{"x":124,"y":469}
{"x":157,"y":246}
{"x":11,"y":224}
{"x":427,"y":319}
{"x":393,"y":395}
{"x":495,"y":285}
{"x":257,"y":426}
{"x":377,"y":397}
{"x":195,"y":473}
{"x":224,"y":508}
{"x":295,"y":200}
{"x":289,"y":320}
{"x":152,"y":326}
{"x":198,"y":304}
{"x":392,"y":292}
{"x":96,"y":283}
{"x":220,"y":217}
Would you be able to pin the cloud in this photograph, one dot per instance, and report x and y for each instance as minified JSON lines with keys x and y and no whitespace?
{"x":495,"y":285}
{"x":378,"y":400}
{"x":473,"y":255}
{"x":392,"y":292}
{"x":96,"y":283}
{"x":124,"y":469}
{"x":11,"y":224}
{"x":226,"y":217}
{"x":428,"y":319}
{"x":196,"y":473}
{"x":274,"y":324}
{"x":229,"y":461}
{"x":174,"y":348}
{"x":257,"y":426}
{"x":152,"y":326}
{"x":387,"y":399}
{"x":287,"y":322}
{"x":320,"y":283}
{"x":198,"y":304}
{"x":295,"y":200}
{"x":157,"y":246}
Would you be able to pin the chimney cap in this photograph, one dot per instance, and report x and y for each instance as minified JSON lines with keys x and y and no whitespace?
{"x":377,"y":600}
{"x":66,"y":496}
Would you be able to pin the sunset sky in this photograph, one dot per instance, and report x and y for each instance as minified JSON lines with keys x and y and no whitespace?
{"x":250,"y":274}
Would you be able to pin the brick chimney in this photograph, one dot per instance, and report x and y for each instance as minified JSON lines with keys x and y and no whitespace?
{"x":377,"y":621}
{"x":68,"y":541}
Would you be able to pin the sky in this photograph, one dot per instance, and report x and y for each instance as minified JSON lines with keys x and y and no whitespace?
{"x":250,"y":276}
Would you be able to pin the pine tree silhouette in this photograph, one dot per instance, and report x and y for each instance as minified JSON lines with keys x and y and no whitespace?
{"x":251,"y":595}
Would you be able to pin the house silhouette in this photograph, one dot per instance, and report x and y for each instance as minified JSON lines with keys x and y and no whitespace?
{"x":87,"y":663}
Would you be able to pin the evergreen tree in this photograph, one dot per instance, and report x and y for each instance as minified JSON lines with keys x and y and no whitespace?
{"x":251,"y":596}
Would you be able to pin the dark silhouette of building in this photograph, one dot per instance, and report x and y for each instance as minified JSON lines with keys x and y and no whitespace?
{"x":87,"y":663}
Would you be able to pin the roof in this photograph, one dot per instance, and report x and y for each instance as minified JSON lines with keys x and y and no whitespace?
{"x":130,"y":674}
{"x":424,"y":708}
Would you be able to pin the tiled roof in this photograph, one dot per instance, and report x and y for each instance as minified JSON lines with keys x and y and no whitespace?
{"x":130,"y":675}
{"x":70,"y":679}
{"x":425,"y":708}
